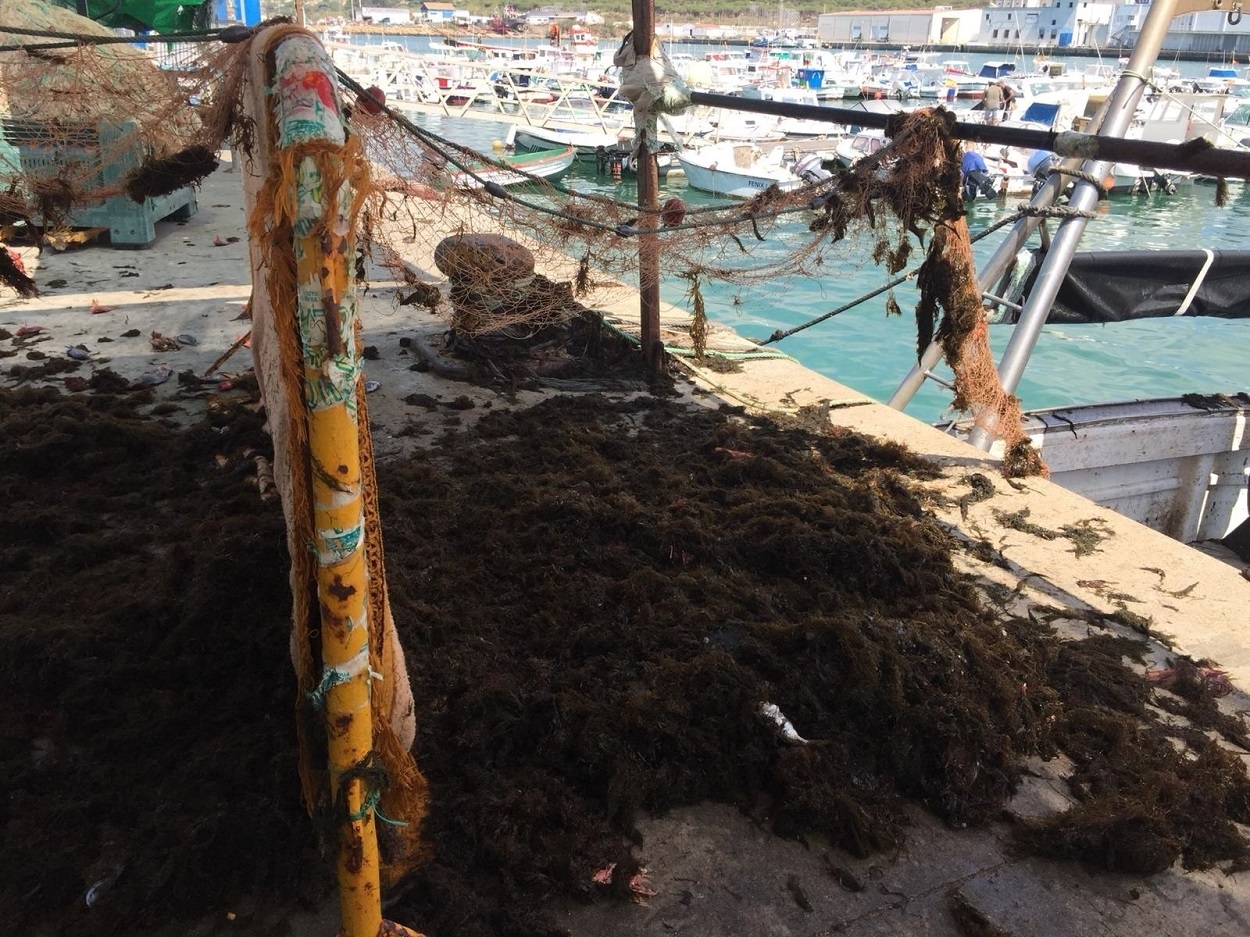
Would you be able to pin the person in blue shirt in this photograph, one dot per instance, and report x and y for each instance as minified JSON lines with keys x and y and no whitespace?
{"x":976,"y":175}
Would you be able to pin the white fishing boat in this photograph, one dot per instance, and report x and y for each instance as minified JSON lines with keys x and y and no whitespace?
{"x":850,"y":150}
{"x":739,"y":170}
{"x":1178,"y":465}
{"x":744,"y":127}
{"x":520,"y":169}
{"x":798,"y":127}
{"x":1169,"y":118}
{"x":587,"y":144}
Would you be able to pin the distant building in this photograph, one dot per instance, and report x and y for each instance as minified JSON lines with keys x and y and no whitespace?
{"x":707,"y":31}
{"x":438,"y":12}
{"x":1208,"y":31}
{"x":674,"y":31}
{"x":1047,"y":22}
{"x":390,"y":16}
{"x":948,"y":27}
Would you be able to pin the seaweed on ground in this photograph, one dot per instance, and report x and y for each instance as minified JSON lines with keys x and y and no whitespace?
{"x":597,"y":599}
{"x":148,"y":756}
{"x":1149,"y":793}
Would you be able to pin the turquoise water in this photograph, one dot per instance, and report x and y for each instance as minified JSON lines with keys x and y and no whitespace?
{"x":1072,"y":364}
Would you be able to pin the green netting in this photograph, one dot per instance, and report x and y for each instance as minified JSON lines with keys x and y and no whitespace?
{"x":162,"y":16}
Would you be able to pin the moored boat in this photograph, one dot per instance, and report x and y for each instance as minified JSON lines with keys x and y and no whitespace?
{"x":739,"y":170}
{"x":520,"y":168}
{"x":587,"y":144}
{"x":1177,"y":465}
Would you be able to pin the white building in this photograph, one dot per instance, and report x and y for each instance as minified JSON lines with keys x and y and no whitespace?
{"x":708,"y":31}
{"x":674,"y":32}
{"x":1208,"y":31}
{"x":438,"y":12}
{"x":1047,"y":22}
{"x":919,"y":27}
{"x":386,"y":15}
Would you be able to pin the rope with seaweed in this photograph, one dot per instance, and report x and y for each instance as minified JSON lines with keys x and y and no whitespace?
{"x":903,"y":197}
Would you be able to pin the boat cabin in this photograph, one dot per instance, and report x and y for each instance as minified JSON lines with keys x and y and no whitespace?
{"x":995,"y":70}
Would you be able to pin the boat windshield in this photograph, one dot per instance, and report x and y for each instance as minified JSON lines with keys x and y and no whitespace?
{"x":1039,"y":113}
{"x":1240,"y":117}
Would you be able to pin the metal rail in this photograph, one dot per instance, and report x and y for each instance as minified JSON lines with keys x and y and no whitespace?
{"x":1194,"y":156}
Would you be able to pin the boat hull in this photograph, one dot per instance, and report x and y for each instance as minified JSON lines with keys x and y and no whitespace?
{"x":547,"y":164}
{"x":735,"y":184}
{"x":586,"y":145}
{"x":1177,"y":465}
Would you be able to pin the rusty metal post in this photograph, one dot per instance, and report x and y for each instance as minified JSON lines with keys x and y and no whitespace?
{"x":648,"y":215}
{"x":300,"y":183}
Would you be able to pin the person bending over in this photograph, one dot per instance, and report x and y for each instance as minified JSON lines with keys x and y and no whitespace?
{"x":976,"y":175}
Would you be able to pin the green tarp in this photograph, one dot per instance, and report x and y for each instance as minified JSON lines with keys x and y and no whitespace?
{"x":161,"y":16}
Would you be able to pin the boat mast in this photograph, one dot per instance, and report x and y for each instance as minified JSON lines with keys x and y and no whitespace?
{"x":1117,"y":114}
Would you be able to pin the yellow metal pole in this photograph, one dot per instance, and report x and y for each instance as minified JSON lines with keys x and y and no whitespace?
{"x":309,"y":126}
{"x":303,"y":224}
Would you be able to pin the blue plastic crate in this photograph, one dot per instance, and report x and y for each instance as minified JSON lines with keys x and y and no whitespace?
{"x":47,"y":151}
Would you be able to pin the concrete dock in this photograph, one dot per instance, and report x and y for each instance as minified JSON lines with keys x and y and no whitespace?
{"x":716,"y":873}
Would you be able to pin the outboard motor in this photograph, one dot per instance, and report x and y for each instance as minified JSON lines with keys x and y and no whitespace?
{"x":810,"y":170}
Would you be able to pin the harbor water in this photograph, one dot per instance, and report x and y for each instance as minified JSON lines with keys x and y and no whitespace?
{"x":871,"y":352}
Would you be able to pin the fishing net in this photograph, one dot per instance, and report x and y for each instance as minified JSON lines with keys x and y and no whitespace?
{"x":71,"y":113}
{"x":576,"y":250}
{"x":519,"y":260}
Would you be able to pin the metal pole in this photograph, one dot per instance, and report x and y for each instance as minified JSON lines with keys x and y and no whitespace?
{"x":312,"y":303}
{"x":995,"y":266}
{"x":648,"y":212}
{"x":1212,"y":161}
{"x":1120,"y":109}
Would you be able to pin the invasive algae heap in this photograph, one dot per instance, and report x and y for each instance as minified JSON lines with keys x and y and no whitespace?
{"x":597,"y":598}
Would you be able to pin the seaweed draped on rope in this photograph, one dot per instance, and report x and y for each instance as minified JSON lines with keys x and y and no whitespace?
{"x":916,"y":179}
{"x":903,"y":198}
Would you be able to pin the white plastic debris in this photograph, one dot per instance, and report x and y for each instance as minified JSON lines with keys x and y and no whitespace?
{"x":773,"y":714}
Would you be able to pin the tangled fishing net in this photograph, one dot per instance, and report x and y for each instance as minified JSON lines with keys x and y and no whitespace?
{"x":901,"y":200}
{"x":776,"y":507}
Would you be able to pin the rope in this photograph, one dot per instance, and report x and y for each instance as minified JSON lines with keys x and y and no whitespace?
{"x":1083,"y":176}
{"x":683,"y":352}
{"x":1021,"y":212}
{"x":371,"y":772}
{"x":1053,"y":211}
{"x":330,"y":678}
{"x":228,"y":34}
{"x":780,"y":334}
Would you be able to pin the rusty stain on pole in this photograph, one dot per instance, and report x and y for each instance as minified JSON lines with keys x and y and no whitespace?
{"x":648,"y":205}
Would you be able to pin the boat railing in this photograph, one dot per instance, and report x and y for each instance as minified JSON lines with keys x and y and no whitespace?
{"x":537,"y":93}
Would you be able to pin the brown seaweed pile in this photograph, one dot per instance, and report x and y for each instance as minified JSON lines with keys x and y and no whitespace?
{"x":598,"y":599}
{"x":148,"y":752}
{"x":1144,"y":801}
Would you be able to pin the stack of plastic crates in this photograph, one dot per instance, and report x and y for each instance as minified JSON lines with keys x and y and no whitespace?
{"x":93,"y":157}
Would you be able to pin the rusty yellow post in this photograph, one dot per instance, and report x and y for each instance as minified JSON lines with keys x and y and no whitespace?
{"x":306,"y":180}
{"x":309,"y":126}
